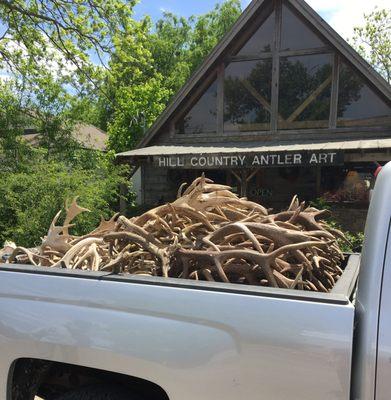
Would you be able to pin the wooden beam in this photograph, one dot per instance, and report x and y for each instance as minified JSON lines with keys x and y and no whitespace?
{"x":172,"y":129}
{"x":305,"y":52}
{"x":334,"y":93}
{"x":381,"y":121}
{"x":256,"y":94}
{"x":276,"y":65}
{"x":383,"y":156}
{"x":303,"y":124}
{"x":244,"y":178}
{"x":318,"y":180}
{"x":143,"y":189}
{"x":264,"y":127}
{"x":252,"y":174}
{"x":123,"y":189}
{"x":309,"y":99}
{"x":220,"y":99}
{"x":255,"y":57}
{"x":236,"y":175}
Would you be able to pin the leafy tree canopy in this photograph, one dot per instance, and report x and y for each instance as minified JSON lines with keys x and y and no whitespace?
{"x":169,"y":51}
{"x":373,"y":41}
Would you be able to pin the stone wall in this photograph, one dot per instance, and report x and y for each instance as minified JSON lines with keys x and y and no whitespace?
{"x":158,"y":186}
{"x":350,"y":216}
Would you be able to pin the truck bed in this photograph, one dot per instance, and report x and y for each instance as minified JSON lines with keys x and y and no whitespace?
{"x":197,"y":340}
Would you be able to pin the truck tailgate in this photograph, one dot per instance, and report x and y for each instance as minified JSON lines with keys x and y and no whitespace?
{"x":195,"y":341}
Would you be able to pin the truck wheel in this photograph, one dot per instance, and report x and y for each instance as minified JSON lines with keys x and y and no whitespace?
{"x":99,"y":392}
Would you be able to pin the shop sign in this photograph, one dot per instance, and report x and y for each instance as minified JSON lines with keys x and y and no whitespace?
{"x":251,"y":160}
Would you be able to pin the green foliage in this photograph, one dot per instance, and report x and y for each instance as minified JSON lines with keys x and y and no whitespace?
{"x":373,"y":41}
{"x":31,"y":198}
{"x":210,"y":28}
{"x":150,"y":64}
{"x":44,"y":38}
{"x":354,"y":241}
{"x":320,"y":203}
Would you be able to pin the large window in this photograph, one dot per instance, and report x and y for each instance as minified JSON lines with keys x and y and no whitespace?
{"x":283,"y":77}
{"x":296,"y":35}
{"x":305,"y":91}
{"x":202,"y":117}
{"x":358,"y":104}
{"x":261,"y":41}
{"x":247,"y":89}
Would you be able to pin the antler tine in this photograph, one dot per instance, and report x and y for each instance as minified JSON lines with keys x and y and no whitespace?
{"x":71,"y":213}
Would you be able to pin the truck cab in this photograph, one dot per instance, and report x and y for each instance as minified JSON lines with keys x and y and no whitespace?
{"x":372,"y":334}
{"x":67,"y":334}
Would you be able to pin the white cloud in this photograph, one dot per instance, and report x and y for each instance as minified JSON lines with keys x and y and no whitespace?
{"x":344,"y":15}
{"x":54,"y":60}
{"x":4,"y":76}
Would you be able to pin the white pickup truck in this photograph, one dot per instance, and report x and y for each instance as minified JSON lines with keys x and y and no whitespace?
{"x":82,"y":335}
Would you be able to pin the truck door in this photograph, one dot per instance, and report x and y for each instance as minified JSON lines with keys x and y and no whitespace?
{"x":383,"y":362}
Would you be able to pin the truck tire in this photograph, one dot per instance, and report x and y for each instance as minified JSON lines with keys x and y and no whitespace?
{"x":99,"y":392}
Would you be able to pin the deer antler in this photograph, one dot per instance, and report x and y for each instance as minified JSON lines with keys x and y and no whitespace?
{"x":207,"y":233}
{"x":72,"y":212}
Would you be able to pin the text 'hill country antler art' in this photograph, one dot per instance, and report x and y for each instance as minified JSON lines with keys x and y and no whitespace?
{"x":207,"y":233}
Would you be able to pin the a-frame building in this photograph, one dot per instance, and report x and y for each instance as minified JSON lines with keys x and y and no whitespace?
{"x":282,"y":105}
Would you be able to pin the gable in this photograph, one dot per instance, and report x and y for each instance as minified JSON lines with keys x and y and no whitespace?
{"x":279,"y":69}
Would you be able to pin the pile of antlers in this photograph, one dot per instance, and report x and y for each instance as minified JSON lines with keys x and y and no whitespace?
{"x":208,"y":233}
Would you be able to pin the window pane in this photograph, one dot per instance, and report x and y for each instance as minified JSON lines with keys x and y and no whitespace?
{"x":358,"y":104}
{"x":262,"y":40}
{"x":247,"y":92}
{"x":305,"y":91}
{"x":202,"y":118}
{"x":296,"y":35}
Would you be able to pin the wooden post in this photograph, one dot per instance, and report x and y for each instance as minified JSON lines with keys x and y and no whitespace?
{"x":122,"y":202}
{"x":220,"y":99}
{"x":276,"y":66}
{"x":243,"y":183}
{"x":318,"y":180}
{"x":244,"y":178}
{"x":334,"y":93}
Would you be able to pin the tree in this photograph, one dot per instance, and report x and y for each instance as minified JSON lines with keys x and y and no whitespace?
{"x":53,"y":53}
{"x":210,"y":28}
{"x":12,"y":149}
{"x":179,"y":45}
{"x":373,"y":41}
{"x":169,"y":44}
{"x":151,"y":63}
{"x":60,"y":35}
{"x":31,"y":197}
{"x":134,"y":87}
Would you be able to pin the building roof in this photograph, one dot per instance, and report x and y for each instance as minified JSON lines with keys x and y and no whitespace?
{"x":313,"y":20}
{"x":87,"y":135}
{"x":347,"y":145}
{"x":90,"y":137}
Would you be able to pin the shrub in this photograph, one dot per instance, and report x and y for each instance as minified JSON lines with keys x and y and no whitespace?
{"x":355,"y":240}
{"x":29,"y":199}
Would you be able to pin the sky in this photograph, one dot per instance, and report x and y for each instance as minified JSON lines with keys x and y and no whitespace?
{"x":342,"y":15}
